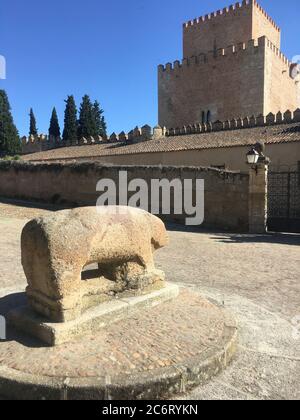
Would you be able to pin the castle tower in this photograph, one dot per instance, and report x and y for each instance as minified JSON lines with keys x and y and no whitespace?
{"x":232,"y":67}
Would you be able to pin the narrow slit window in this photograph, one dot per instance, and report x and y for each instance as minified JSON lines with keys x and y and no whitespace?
{"x":208,"y":119}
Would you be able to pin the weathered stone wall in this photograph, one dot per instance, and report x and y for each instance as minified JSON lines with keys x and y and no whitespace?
{"x":281,"y":90}
{"x":228,"y":85}
{"x":262,"y":25}
{"x":226,"y":193}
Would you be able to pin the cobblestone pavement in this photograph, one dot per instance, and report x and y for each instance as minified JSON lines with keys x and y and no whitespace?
{"x":256,"y":277}
{"x":180,"y":330}
{"x":262,"y":268}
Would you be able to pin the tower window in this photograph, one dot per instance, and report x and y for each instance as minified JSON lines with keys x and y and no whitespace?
{"x":208,"y":119}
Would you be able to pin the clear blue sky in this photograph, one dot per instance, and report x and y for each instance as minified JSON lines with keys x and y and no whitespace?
{"x":108,"y":49}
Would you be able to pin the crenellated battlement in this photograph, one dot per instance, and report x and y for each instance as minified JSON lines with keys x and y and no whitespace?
{"x":230,"y":10}
{"x":237,"y":123}
{"x":137,"y":135}
{"x":227,"y":11}
{"x":147,"y":133}
{"x":251,"y":47}
{"x":40,"y":143}
{"x":277,"y":52}
{"x":265,"y":14}
{"x":215,"y":55}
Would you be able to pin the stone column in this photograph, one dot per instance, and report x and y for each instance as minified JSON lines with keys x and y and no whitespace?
{"x":258,"y":198}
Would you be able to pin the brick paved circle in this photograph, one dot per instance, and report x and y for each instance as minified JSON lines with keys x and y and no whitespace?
{"x":159,"y":351}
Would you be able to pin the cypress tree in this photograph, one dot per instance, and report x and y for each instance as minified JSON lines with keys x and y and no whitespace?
{"x":99,"y":120}
{"x":9,"y":137}
{"x":32,"y":129}
{"x":103,"y":126}
{"x":70,"y":128}
{"x":86,"y":123}
{"x":54,"y":129}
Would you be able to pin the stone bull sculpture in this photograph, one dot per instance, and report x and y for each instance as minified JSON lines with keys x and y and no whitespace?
{"x":57,"y":248}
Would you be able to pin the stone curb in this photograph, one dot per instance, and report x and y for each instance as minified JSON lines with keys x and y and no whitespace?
{"x":157,"y":384}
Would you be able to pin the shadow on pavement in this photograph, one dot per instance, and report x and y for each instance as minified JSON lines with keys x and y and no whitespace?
{"x":270,"y":238}
{"x":32,"y":204}
{"x":7,"y":303}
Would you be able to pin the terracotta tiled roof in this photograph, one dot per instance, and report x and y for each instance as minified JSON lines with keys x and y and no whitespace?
{"x":220,"y":139}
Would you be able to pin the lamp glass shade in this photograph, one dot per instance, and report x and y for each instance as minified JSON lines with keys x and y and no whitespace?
{"x":252,"y":157}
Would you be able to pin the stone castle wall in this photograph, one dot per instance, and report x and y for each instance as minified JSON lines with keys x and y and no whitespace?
{"x":229,"y":26}
{"x":282,"y":87}
{"x":232,"y":66}
{"x":245,"y":79}
{"x":75,"y":185}
{"x":264,"y":25}
{"x":226,"y":85}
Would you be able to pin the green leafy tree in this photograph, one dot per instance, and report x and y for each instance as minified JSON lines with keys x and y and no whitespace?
{"x":86,"y":123}
{"x":99,"y":120}
{"x":54,"y":129}
{"x":70,"y":128}
{"x":9,"y":137}
{"x":32,"y":129}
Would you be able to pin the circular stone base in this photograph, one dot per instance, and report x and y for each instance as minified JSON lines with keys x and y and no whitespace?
{"x":160,"y":351}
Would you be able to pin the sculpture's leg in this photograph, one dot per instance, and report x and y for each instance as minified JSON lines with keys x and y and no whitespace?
{"x":146,"y":259}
